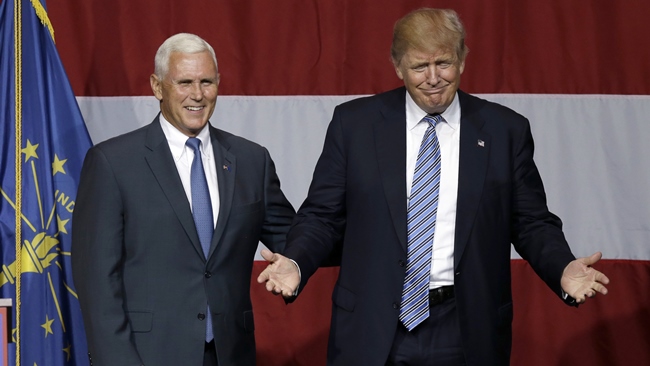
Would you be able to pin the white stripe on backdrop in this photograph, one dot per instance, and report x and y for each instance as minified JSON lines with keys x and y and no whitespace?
{"x":593,"y":152}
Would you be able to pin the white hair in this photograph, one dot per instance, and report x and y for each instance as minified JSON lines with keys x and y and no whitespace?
{"x":181,"y":42}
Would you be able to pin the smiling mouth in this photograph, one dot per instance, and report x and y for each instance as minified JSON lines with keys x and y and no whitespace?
{"x":193,"y":109}
{"x":433,"y":91}
{"x":436,"y":90}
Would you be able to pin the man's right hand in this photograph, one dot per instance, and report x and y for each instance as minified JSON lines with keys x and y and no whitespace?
{"x":281,"y":276}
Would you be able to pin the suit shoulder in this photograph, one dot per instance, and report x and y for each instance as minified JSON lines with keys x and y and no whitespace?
{"x":373,"y":102}
{"x":473,"y":104}
{"x":124,"y":142}
{"x":237,"y":143}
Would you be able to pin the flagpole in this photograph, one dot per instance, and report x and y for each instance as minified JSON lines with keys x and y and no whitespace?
{"x":18,"y":31}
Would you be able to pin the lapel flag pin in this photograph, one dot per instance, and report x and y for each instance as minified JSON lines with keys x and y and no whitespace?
{"x":226,"y":167}
{"x":481,"y":143}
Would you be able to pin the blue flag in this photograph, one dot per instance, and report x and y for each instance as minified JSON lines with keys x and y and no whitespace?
{"x":39,"y":110}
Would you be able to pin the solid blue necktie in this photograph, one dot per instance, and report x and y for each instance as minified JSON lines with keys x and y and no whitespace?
{"x":421,"y":224}
{"x":202,"y":211}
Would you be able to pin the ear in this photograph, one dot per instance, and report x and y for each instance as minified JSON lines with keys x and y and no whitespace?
{"x":461,"y":68}
{"x":398,"y":71}
{"x":156,"y":86}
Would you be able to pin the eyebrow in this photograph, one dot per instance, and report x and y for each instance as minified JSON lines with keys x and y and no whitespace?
{"x":202,"y":80}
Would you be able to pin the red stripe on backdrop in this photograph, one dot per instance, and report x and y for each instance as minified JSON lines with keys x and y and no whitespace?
{"x":605,"y":331}
{"x":340,"y":47}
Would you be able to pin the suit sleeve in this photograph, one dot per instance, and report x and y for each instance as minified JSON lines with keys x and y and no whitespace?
{"x":537,"y":233}
{"x":320,"y":222}
{"x":97,"y":260}
{"x":279,"y":212}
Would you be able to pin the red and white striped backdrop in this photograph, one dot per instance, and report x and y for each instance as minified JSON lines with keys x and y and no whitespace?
{"x":579,"y":70}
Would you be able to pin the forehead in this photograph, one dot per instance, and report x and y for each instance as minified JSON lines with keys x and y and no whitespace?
{"x":191,"y":65}
{"x":413,"y":55}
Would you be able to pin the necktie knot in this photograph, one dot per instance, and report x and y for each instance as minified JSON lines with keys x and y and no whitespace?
{"x":433,"y":119}
{"x":194,"y":143}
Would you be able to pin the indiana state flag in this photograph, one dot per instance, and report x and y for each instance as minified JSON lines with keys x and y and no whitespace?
{"x":43,"y":140}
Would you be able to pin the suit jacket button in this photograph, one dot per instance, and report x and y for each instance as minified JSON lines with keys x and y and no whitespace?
{"x":201,"y":316}
{"x":395,"y":306}
{"x":401,"y":263}
{"x":207,"y":274}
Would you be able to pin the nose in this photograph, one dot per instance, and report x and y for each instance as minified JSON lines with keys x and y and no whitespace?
{"x":196,"y":91}
{"x":432,"y":75}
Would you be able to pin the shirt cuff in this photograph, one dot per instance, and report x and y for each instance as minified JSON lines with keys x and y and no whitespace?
{"x":295,"y":293}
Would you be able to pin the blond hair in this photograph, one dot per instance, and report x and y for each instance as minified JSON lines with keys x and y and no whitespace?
{"x":429,"y":30}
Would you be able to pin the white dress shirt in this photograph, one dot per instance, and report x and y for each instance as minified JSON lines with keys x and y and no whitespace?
{"x":442,"y":260}
{"x":183,"y":156}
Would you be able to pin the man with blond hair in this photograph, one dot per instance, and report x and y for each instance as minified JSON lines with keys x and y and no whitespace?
{"x":426,"y":188}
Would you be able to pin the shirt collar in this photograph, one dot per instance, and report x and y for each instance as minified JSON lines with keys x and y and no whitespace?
{"x":176,"y":139}
{"x":414,"y":113}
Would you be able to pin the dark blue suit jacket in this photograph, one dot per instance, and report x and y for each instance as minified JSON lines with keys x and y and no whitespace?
{"x":357,"y":198}
{"x":142,"y":278}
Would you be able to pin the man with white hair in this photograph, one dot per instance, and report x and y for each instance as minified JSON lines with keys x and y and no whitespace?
{"x":166,"y":224}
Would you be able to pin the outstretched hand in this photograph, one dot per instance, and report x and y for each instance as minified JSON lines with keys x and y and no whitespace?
{"x":581,"y":281}
{"x":281,"y":276}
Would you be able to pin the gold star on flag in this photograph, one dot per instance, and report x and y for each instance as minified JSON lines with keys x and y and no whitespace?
{"x":67,"y":350}
{"x":61,"y":224}
{"x":30,"y":151}
{"x":57,"y":165}
{"x":48,"y":326}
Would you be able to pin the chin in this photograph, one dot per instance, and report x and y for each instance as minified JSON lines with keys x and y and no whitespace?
{"x":434,"y":107}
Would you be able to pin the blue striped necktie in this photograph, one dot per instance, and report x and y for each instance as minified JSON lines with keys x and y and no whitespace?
{"x":202,"y":212}
{"x":421,"y":224}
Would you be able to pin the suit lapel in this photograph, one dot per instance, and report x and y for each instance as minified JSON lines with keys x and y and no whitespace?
{"x":162,"y":165}
{"x":226,"y":172}
{"x":390,"y":145}
{"x":474,"y":154}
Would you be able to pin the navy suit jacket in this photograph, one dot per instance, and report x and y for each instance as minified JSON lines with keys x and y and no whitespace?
{"x":141,"y":275}
{"x":358,"y":198}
